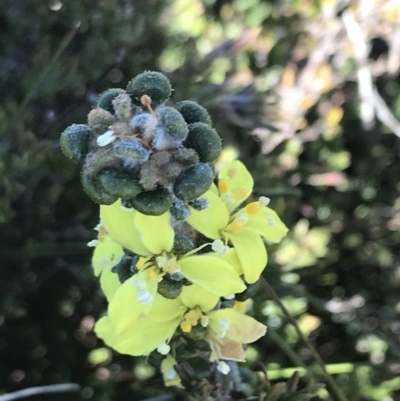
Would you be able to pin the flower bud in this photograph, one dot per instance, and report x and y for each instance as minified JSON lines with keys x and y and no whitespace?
{"x":122,"y":184}
{"x":193,"y":182}
{"x":205,"y":141}
{"x":179,"y":210}
{"x":99,"y":120}
{"x":192,"y":112}
{"x":125,"y":268}
{"x":198,"y":332}
{"x":105,"y":99}
{"x":152,"y":203}
{"x":173,"y":124}
{"x":182,"y":244}
{"x":131,"y":151}
{"x":123,"y":106}
{"x":74,"y":142}
{"x":150,"y":83}
{"x":168,"y":288}
{"x":95,"y":191}
{"x":198,"y":203}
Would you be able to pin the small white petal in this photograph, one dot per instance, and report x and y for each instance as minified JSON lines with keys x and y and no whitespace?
{"x":106,"y":138}
{"x":223,"y":367}
{"x":93,"y":243}
{"x":264,"y":200}
{"x":164,"y":348}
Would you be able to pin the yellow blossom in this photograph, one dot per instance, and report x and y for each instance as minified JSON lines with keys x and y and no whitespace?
{"x":245,"y":228}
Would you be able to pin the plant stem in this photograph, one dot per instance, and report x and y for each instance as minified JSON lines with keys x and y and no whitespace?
{"x":336,"y":391}
{"x":56,"y":388}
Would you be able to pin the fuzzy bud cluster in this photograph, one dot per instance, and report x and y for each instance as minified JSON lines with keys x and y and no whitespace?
{"x":152,"y":156}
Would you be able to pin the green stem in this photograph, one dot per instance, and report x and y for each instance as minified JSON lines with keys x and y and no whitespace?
{"x":336,"y":391}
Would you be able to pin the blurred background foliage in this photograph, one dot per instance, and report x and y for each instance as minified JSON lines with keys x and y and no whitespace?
{"x":307,"y":93}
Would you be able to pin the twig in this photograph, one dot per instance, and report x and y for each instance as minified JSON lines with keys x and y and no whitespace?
{"x":29,"y":392}
{"x":336,"y":391}
{"x":162,"y":397}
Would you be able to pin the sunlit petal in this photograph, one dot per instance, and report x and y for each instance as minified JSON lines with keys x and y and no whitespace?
{"x":194,"y":295}
{"x":104,"y":330}
{"x":106,"y":254}
{"x":109,"y":283}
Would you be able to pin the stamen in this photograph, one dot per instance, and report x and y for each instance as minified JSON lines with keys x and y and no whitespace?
{"x":152,"y":275}
{"x":164,"y":348}
{"x":232,"y":173}
{"x":253,"y":208}
{"x":93,"y":243}
{"x":264,"y":200}
{"x":186,"y":327}
{"x":192,"y":317}
{"x":144,"y":297}
{"x":223,"y":367}
{"x":219,"y":247}
{"x":223,"y":326}
{"x":230,"y":296}
{"x":140,"y":263}
{"x":204,"y":320}
{"x":223,"y":186}
{"x":236,"y":227}
{"x":271,"y":221}
{"x":161,"y":261}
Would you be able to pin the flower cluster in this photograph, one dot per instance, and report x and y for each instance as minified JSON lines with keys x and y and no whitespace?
{"x":169,"y":281}
{"x":177,"y":254}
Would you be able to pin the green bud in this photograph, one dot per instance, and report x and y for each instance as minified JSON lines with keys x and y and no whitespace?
{"x":94,"y":189}
{"x":205,"y":141}
{"x":179,"y":210}
{"x":192,"y":112}
{"x":193,"y":182}
{"x":227,"y":303}
{"x":185,"y":157}
{"x":152,"y":203}
{"x":130,"y":150}
{"x":199,"y":203}
{"x":150,"y":83}
{"x":198,"y":332}
{"x":99,"y":120}
{"x":249,"y":292}
{"x":169,"y":288}
{"x":119,"y":183}
{"x":105,"y":99}
{"x":173,"y":123}
{"x":182,"y":244}
{"x":74,"y":142}
{"x":125,"y":268}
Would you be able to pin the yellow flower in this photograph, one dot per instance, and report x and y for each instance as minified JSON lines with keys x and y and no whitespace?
{"x":168,"y":371}
{"x":152,"y":238}
{"x":245,"y":228}
{"x":107,"y":254}
{"x":226,"y":329}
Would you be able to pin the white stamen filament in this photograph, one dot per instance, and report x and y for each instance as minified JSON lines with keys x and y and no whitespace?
{"x":230,"y":296}
{"x":271,"y":220}
{"x":242,"y":219}
{"x":204,"y":321}
{"x":170,"y":373}
{"x":219,"y":247}
{"x":139,"y":284}
{"x":161,"y":261}
{"x":93,"y":243}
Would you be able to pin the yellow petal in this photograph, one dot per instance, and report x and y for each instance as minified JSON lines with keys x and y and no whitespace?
{"x":229,"y":349}
{"x":194,"y":295}
{"x":106,"y":254}
{"x":267,"y":224}
{"x":109,"y":283}
{"x":145,"y":336}
{"x":243,"y":329}
{"x":212,"y":273}
{"x":165,"y":309}
{"x":251,"y":252}
{"x":119,"y":223}
{"x":211,"y":220}
{"x":239,"y":183}
{"x":156,"y":232}
{"x":214,"y":189}
{"x":125,"y":308}
{"x":104,"y":330}
{"x":232,"y":258}
{"x":170,"y":376}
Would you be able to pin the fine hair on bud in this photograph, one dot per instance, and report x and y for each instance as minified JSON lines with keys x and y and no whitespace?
{"x":95,"y":191}
{"x":173,"y":124}
{"x":179,"y":210}
{"x":74,"y":142}
{"x":205,"y":141}
{"x":122,"y":184}
{"x":192,"y":112}
{"x":193,"y":182}
{"x":99,"y":120}
{"x":105,"y":99}
{"x":199,"y":203}
{"x":130,"y":151}
{"x":150,"y":83}
{"x":122,"y":106}
{"x":169,"y":288}
{"x":153,"y":203}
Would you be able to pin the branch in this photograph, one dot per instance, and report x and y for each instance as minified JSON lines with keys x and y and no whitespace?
{"x":56,"y":388}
